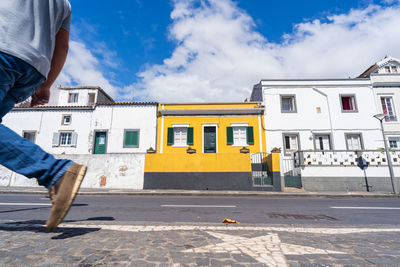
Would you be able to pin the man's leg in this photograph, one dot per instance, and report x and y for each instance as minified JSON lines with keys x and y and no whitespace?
{"x":28,"y":159}
{"x":18,"y":81}
{"x":17,"y":153}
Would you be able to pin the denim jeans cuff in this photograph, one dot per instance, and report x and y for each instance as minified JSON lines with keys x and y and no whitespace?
{"x":60,"y":174}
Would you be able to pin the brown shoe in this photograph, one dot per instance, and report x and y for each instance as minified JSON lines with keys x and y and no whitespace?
{"x":63,"y":193}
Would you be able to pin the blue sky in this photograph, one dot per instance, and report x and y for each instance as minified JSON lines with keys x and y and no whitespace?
{"x":215,"y":50}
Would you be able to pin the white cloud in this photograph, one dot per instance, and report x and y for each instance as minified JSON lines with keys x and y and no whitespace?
{"x":84,"y":68}
{"x":219,"y":54}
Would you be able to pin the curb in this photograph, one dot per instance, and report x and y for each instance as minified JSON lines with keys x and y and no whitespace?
{"x":122,"y":192}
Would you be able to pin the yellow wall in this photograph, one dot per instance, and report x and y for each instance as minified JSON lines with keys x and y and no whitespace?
{"x":222,"y":121}
{"x":228,"y":157}
{"x":174,"y":162}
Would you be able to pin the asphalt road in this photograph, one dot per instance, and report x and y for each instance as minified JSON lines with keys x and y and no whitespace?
{"x":250,"y":210}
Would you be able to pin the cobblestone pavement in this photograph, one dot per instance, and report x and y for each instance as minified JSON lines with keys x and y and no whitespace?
{"x":97,"y":243}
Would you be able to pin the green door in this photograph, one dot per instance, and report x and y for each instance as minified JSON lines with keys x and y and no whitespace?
{"x":210,"y":139}
{"x":100,"y":143}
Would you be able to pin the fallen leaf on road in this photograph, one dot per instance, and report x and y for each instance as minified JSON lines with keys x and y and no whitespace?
{"x":226,"y":220}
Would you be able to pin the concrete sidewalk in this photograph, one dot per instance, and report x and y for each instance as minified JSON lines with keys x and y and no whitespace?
{"x":222,"y":193}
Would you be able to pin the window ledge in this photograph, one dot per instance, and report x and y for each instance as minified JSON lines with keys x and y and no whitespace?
{"x":180,"y":145}
{"x":349,"y":111}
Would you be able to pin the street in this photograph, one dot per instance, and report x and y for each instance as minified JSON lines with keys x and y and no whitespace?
{"x":188,"y":231}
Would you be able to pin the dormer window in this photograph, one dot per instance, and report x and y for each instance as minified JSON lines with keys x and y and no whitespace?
{"x":73,"y":97}
{"x":391,"y":69}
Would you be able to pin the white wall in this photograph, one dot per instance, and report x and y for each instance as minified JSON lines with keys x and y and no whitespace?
{"x":117,"y":118}
{"x":111,"y":118}
{"x":331,"y":120}
{"x":349,"y":178}
{"x":83,"y":97}
{"x":124,"y":171}
{"x":47,"y":122}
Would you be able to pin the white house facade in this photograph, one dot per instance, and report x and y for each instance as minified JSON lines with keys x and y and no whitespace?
{"x":324,"y":127}
{"x":385,"y":79}
{"x":82,"y":121}
{"x":79,"y":124}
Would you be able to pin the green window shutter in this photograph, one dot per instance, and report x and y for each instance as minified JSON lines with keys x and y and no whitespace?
{"x":250,"y":135}
{"x":190,"y":136}
{"x":131,"y":138}
{"x":170,"y":137}
{"x":229,"y":135}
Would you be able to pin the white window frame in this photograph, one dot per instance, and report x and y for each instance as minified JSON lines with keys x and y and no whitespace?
{"x":290,"y":150}
{"x":394,"y":116}
{"x":353,"y":103}
{"x":329,"y":140}
{"x":73,"y":97}
{"x":294,"y":105}
{"x":239,"y":136}
{"x":30,"y":132}
{"x":69,"y":139}
{"x":238,"y":126}
{"x":63,"y":122}
{"x":180,"y":126}
{"x":351,"y":135}
{"x":396,"y":139}
{"x":216,"y":135}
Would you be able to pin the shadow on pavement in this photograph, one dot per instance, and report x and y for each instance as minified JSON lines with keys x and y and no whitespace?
{"x":37,"y":226}
{"x":39,"y":208}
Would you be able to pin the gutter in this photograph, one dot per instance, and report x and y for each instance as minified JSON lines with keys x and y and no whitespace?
{"x":237,"y":111}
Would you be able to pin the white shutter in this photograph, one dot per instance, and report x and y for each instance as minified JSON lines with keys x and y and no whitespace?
{"x":325,"y":141}
{"x":322,"y":142}
{"x":56,"y":139}
{"x":74,"y":139}
{"x":357,"y":142}
{"x":354,"y":142}
{"x":317,"y":143}
{"x":350,"y":142}
{"x":293,"y":143}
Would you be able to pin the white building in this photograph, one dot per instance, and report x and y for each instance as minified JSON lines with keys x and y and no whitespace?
{"x":385,"y":79}
{"x":329,"y":122}
{"x":85,"y":120}
{"x":81,"y":121}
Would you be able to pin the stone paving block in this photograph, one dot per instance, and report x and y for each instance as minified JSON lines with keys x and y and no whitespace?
{"x":202,"y":261}
{"x":221,"y":263}
{"x":166,"y":247}
{"x":243,"y":258}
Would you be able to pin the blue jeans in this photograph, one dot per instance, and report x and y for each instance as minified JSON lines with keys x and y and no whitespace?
{"x":18,"y":81}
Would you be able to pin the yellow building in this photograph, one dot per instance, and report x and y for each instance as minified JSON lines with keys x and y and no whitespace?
{"x":205,"y":146}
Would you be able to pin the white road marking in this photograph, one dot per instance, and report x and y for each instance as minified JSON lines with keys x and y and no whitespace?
{"x":25,"y":204}
{"x":162,"y":228}
{"x":368,"y":208}
{"x":197,"y":206}
{"x":266,"y":249}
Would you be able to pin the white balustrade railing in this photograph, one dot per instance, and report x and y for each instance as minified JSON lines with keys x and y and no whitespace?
{"x":345,"y":158}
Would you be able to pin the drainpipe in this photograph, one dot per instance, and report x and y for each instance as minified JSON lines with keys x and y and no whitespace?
{"x":329,"y":112}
